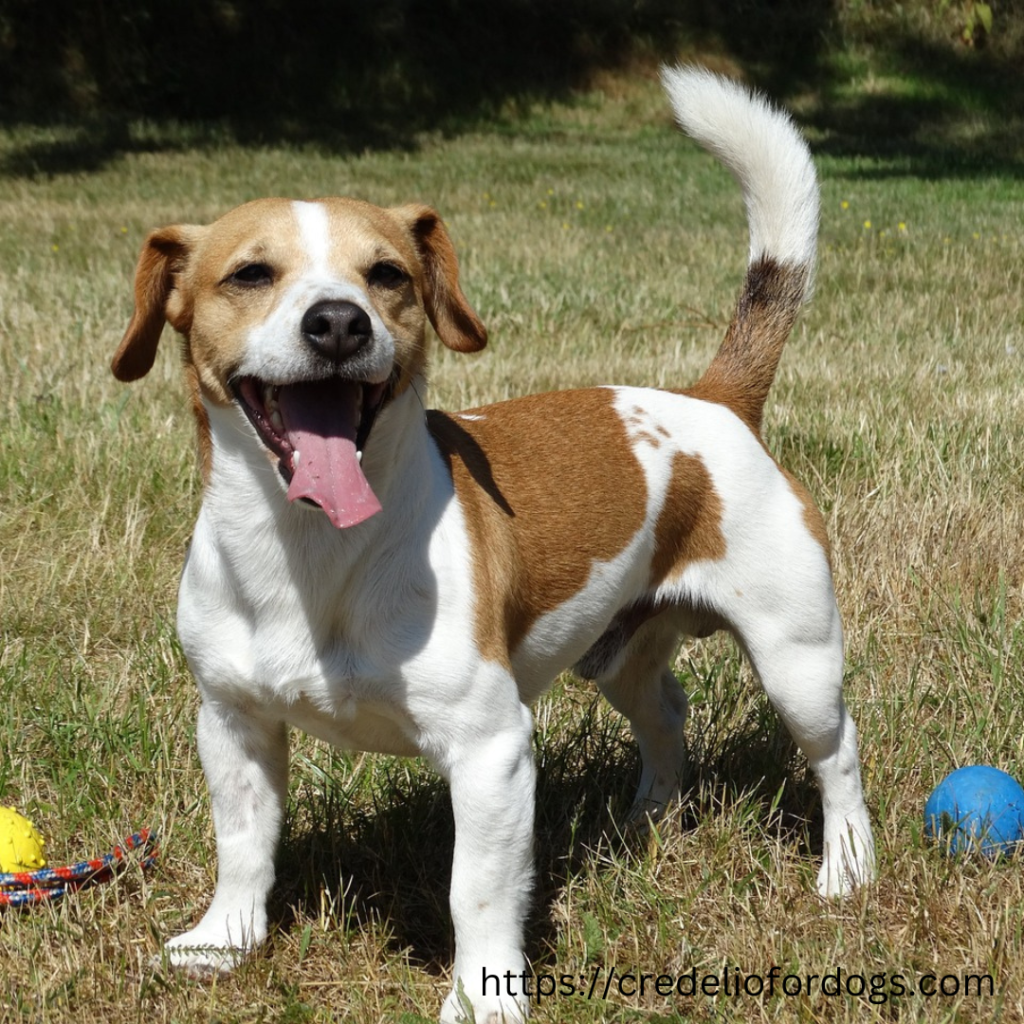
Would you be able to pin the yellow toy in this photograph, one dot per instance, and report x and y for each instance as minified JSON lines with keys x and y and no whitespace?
{"x":24,"y":877}
{"x":21,"y":846}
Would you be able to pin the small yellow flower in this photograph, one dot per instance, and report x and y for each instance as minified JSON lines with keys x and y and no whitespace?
{"x":565,"y":224}
{"x":608,"y":227}
{"x":55,"y":248}
{"x":844,"y":205}
{"x":492,"y":203}
{"x":543,"y":205}
{"x":579,"y":204}
{"x":551,"y":191}
{"x":124,"y":231}
{"x":867,"y":225}
{"x":902,"y":226}
{"x":976,"y":236}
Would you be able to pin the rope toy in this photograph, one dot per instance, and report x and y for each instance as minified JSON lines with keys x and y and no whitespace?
{"x":21,"y":847}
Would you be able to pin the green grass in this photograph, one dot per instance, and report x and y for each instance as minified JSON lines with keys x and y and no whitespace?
{"x":598,"y":246}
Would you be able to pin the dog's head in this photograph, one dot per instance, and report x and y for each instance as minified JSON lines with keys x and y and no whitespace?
{"x":309,"y":318}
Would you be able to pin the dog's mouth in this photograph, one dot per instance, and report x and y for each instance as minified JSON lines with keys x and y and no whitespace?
{"x":318,"y":430}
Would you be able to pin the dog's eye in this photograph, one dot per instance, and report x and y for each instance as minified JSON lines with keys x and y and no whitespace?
{"x":252,"y":275}
{"x":386,"y":275}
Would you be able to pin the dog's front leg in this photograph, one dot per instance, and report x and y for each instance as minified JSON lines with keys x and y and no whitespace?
{"x":245,"y":759}
{"x":492,"y":781}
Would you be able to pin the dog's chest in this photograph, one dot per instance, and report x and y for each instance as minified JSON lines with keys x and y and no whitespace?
{"x":283,"y":635}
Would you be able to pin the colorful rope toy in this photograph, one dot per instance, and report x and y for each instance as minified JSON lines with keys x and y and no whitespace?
{"x":24,"y":878}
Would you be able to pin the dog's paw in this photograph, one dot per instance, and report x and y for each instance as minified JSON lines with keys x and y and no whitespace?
{"x":848,"y":861}
{"x":201,"y":955}
{"x":644,"y":813}
{"x":459,"y":1008}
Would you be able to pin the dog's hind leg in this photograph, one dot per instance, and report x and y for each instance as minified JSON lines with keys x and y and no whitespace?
{"x":793,"y":636}
{"x":639,"y":684}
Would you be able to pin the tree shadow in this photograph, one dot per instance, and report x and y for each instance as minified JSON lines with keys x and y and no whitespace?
{"x":960,"y":115}
{"x":348,"y":76}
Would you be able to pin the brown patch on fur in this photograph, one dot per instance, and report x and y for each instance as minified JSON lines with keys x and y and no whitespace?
{"x":549,"y":485}
{"x":741,"y":374}
{"x":813,"y":519}
{"x":689,"y":528}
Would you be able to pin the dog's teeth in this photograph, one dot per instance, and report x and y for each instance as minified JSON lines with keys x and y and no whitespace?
{"x":295,"y":459}
{"x":276,"y":422}
{"x":359,"y":456}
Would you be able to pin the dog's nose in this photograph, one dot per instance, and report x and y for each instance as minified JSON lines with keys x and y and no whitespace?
{"x":336,"y":329}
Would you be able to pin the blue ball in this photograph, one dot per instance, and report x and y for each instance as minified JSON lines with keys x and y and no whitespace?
{"x":976,"y":807}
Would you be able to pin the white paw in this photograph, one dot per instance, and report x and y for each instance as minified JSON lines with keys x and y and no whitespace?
{"x":202,"y":961}
{"x":203,"y":951}
{"x":459,"y":1008}
{"x":646,"y":812}
{"x":849,"y":861}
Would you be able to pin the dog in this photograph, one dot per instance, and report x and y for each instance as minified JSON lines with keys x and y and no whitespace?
{"x":408,"y":582}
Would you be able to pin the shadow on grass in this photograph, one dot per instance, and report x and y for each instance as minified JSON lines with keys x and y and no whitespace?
{"x":347,"y":76}
{"x":956,"y":118}
{"x":391,"y":863}
{"x":350,"y":77}
{"x":955,"y":114}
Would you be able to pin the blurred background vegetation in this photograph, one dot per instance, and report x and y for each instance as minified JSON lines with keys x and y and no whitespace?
{"x":873,"y":76}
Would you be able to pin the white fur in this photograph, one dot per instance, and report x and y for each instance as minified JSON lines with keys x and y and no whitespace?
{"x":360,"y":636}
{"x":274,"y":351}
{"x":765,"y":152}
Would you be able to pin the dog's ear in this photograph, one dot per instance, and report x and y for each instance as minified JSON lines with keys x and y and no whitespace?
{"x":158,"y":299}
{"x":456,"y":323}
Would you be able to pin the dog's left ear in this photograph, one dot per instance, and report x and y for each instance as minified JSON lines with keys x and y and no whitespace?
{"x":456,"y":323}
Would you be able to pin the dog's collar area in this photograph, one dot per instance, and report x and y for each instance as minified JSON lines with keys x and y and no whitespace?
{"x":318,"y":430}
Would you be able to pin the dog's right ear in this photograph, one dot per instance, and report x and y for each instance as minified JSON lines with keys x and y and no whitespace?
{"x":158,"y":299}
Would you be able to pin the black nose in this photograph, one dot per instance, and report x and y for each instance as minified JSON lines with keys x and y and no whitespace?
{"x":336,"y":329}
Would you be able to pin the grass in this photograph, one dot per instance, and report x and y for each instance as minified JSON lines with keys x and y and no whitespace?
{"x":597,"y":246}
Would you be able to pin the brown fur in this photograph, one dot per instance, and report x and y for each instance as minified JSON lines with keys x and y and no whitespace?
{"x":689,"y":528}
{"x":741,"y":374}
{"x":813,"y":519}
{"x":539,"y":511}
{"x":183,"y":272}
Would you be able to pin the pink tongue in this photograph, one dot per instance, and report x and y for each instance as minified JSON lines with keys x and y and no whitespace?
{"x":320,"y":422}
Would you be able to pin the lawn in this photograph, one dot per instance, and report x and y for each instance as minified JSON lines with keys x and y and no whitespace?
{"x":599,"y":246}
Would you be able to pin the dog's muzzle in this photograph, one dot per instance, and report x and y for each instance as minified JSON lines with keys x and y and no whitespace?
{"x":318,"y":428}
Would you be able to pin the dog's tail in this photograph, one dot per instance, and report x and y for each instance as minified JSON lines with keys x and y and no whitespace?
{"x":769,"y":158}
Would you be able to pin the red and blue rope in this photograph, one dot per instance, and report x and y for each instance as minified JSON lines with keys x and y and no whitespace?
{"x":18,"y":888}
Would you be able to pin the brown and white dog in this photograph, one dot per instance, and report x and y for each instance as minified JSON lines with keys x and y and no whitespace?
{"x":440,"y":569}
